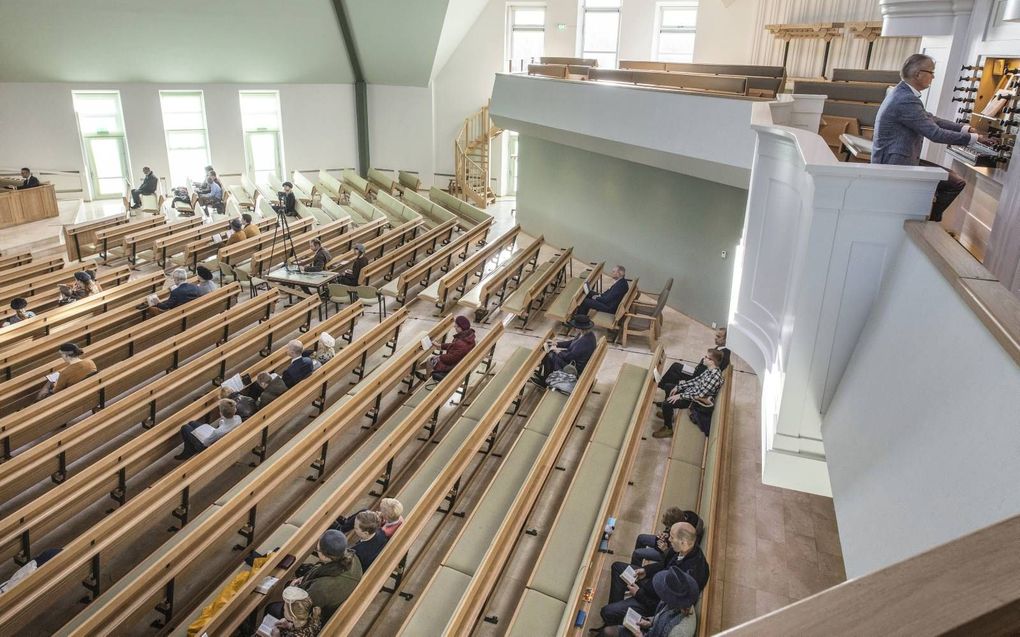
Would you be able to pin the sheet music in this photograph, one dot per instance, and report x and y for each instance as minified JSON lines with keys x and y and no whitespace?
{"x":426,"y":343}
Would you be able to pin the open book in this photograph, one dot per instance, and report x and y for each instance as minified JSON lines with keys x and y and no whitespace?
{"x":204,"y":433}
{"x":426,"y":343}
{"x":234,"y":383}
{"x":267,"y":626}
{"x":628,"y":575}
{"x":53,"y":377}
{"x":630,"y":622}
{"x":688,"y":368}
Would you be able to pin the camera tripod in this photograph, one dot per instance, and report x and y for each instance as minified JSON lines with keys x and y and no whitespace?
{"x":282,"y":233}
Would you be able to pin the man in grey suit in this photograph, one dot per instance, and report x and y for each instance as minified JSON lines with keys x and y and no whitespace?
{"x":902,"y":122}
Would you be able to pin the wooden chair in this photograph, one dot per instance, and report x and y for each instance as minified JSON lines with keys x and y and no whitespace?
{"x":645,"y":319}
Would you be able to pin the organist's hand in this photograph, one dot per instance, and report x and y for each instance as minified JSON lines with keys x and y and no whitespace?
{"x":987,"y":141}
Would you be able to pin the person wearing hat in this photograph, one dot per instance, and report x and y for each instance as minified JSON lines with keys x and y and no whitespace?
{"x":21,"y":312}
{"x":453,"y":351}
{"x":84,"y":285}
{"x":300,"y":617}
{"x":683,"y":553}
{"x":577,"y":350}
{"x":76,"y":369}
{"x":327,"y":347}
{"x":288,"y":200}
{"x":330,"y":582}
{"x":250,"y":229}
{"x":205,"y":280}
{"x":353,"y":273}
{"x":237,"y":234}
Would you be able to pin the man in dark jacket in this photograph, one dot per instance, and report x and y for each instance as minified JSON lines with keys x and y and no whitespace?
{"x":320,"y":257}
{"x":683,"y":553}
{"x":351,"y":276}
{"x":147,"y":187}
{"x":30,"y":180}
{"x":577,"y":350}
{"x":180,"y":292}
{"x":300,"y":365}
{"x":370,"y":540}
{"x":609,"y":300}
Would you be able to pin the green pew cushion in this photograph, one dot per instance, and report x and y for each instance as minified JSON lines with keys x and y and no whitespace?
{"x":544,"y":415}
{"x":683,"y":482}
{"x":538,"y":614}
{"x":438,"y":603}
{"x":618,"y":409}
{"x":481,"y":403}
{"x":688,"y":441}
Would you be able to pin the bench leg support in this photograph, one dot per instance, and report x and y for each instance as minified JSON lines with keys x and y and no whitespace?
{"x":165,"y":607}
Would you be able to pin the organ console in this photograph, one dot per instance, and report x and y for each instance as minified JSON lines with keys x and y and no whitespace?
{"x":965,"y":100}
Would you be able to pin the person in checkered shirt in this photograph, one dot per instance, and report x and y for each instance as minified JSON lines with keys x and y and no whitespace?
{"x":704,"y":385}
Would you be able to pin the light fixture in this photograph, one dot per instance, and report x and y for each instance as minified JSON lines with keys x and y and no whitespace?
{"x":1012,"y":11}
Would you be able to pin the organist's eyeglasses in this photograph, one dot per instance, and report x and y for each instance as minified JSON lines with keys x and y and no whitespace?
{"x":927,"y":71}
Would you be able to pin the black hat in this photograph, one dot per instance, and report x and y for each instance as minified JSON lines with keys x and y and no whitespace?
{"x":83,"y":277}
{"x":676,"y":588}
{"x":18,"y":303}
{"x":204,"y":273}
{"x":581,"y":322}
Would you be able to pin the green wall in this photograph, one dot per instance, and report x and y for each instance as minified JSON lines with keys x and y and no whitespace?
{"x":656,"y":223}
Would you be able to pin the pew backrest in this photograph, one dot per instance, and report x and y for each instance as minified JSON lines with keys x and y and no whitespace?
{"x":10,"y":260}
{"x":381,"y":180}
{"x":409,"y":181}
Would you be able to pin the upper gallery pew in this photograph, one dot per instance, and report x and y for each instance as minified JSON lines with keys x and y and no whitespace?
{"x":719,"y":84}
{"x":357,"y":475}
{"x":571,"y":560}
{"x":129,"y":596}
{"x":496,"y":282}
{"x":10,"y":260}
{"x":889,"y":78}
{"x":381,"y":181}
{"x":573,"y":292}
{"x":469,"y":215}
{"x":130,"y":335}
{"x":94,"y":481}
{"x":439,"y":260}
{"x":456,"y":279}
{"x":107,"y":386}
{"x":80,"y":238}
{"x":46,"y":303}
{"x":109,"y":240}
{"x":531,"y":292}
{"x":454,"y":597}
{"x":432,"y":211}
{"x":122,"y":293}
{"x":762,"y":81}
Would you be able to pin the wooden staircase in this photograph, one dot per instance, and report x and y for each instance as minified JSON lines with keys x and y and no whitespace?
{"x":471,"y":155}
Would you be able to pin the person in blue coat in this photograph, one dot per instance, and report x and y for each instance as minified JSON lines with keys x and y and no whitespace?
{"x":577,"y":350}
{"x":300,"y":365}
{"x":609,"y":300}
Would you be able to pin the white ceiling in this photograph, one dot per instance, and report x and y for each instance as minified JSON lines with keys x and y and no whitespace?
{"x":233,"y":41}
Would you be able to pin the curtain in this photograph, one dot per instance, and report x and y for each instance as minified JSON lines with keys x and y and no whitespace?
{"x":805,"y":59}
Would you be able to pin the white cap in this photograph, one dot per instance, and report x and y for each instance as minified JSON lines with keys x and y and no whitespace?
{"x":327,"y":340}
{"x":293,"y":594}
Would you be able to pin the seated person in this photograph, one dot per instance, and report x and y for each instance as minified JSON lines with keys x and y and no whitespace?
{"x":250,"y":229}
{"x":288,"y":201}
{"x":205,"y":280}
{"x":147,"y":187}
{"x":676,"y":372}
{"x":203,"y":187}
{"x":300,"y":364}
{"x":214,"y":195}
{"x":390,"y":512}
{"x":369,"y":536}
{"x":653,"y":547}
{"x":28,"y":180}
{"x":353,"y":273}
{"x":237,"y":233}
{"x":327,"y":348}
{"x":577,"y":350}
{"x":320,"y":257}
{"x":266,"y":388}
{"x":300,"y":617}
{"x":198,"y":436}
{"x":679,"y":396}
{"x":83,"y":286}
{"x":330,"y":582}
{"x":609,"y":300}
{"x":76,"y":369}
{"x":21,"y":312}
{"x":452,"y":353}
{"x":674,"y":616}
{"x":683,"y":553}
{"x":180,"y":293}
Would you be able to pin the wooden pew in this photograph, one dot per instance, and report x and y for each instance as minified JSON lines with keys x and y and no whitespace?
{"x":379,"y":245}
{"x":300,"y":194}
{"x":398,"y":211}
{"x":335,"y":211}
{"x":612,"y":322}
{"x":110,"y":240}
{"x":16,"y":274}
{"x":108,"y":386}
{"x":441,"y":260}
{"x":267,"y":259}
{"x":208,"y":245}
{"x":47,"y":298}
{"x":10,"y":260}
{"x":570,"y":562}
{"x":397,"y":214}
{"x":124,"y":340}
{"x":316,"y":214}
{"x":468,"y":214}
{"x":457,"y":277}
{"x":408,"y":181}
{"x":126,"y":597}
{"x":455,"y":596}
{"x":242,"y":250}
{"x":406,"y":253}
{"x":324,"y":233}
{"x":177,"y":243}
{"x":360,"y":210}
{"x":118,"y":291}
{"x":303,"y":184}
{"x":32,"y":285}
{"x":82,"y":488}
{"x":339,"y":493}
{"x":432,"y":213}
{"x":495,"y":283}
{"x":574,"y":290}
{"x":381,"y":181}
{"x":329,"y":186}
{"x":142,"y":242}
{"x":354,"y":183}
{"x":531,"y":292}
{"x":80,"y":238}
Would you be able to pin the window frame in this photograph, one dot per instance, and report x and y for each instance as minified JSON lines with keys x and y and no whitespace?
{"x":281,"y":167}
{"x":511,"y":27}
{"x":88,"y":156}
{"x":660,"y":9}
{"x":584,"y":10}
{"x":167,"y":132}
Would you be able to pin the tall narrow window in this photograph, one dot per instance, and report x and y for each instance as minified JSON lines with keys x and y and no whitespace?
{"x":104,"y":143}
{"x":526,"y":40}
{"x":187,"y":135}
{"x":674,"y":34}
{"x":600,"y":31}
{"x":263,"y":134}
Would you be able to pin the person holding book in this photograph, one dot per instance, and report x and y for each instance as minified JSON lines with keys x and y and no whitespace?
{"x":674,"y":615}
{"x":452,"y":352}
{"x":577,"y":350}
{"x":180,"y":293}
{"x":76,"y":369}
{"x":83,"y":286}
{"x":21,"y":312}
{"x":198,"y":436}
{"x":300,"y":617}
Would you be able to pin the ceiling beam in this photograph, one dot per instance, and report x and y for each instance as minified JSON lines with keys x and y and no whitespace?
{"x":360,"y":88}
